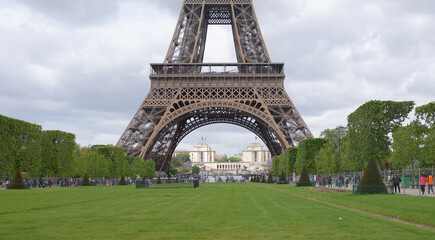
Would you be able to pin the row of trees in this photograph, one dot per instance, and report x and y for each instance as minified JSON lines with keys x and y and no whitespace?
{"x":375,"y":130}
{"x":26,"y":147}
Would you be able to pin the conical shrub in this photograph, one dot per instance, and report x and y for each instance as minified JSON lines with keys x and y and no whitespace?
{"x":282,"y":179}
{"x":17,"y":182}
{"x":263,"y":180}
{"x":304,"y":180}
{"x":159,"y":181}
{"x":270,"y":178}
{"x":371,"y":182}
{"x":85,"y":180}
{"x":122,"y":181}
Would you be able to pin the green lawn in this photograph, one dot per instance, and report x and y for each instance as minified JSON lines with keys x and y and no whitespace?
{"x":411,"y":208}
{"x":214,"y":211}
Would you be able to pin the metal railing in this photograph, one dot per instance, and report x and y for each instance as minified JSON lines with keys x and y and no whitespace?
{"x":218,"y":68}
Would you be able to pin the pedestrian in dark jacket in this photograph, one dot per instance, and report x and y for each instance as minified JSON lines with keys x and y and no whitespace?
{"x":396,"y":182}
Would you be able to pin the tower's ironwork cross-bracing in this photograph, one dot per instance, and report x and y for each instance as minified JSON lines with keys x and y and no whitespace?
{"x":187,"y":94}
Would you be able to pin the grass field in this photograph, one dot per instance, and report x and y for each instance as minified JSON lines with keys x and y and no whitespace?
{"x":214,"y":211}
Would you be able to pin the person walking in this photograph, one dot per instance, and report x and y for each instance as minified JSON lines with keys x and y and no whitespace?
{"x":429,"y":184}
{"x":396,"y":183}
{"x":422,"y":183}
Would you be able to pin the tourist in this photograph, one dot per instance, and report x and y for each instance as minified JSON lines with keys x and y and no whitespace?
{"x":422,"y":183}
{"x":396,"y":183}
{"x":429,"y":184}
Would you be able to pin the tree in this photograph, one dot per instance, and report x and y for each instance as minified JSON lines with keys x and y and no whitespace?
{"x":270,"y":178}
{"x":282,"y":179}
{"x":334,"y":136}
{"x":371,"y":182}
{"x":85,"y":180}
{"x":426,"y":117}
{"x":19,"y":146}
{"x":195,"y":170}
{"x":183,"y":157}
{"x":122,"y":181}
{"x":369,"y":128}
{"x":150,"y":169}
{"x":304,"y":180}
{"x":116,"y":157}
{"x":57,"y":152}
{"x":17,"y":181}
{"x":325,"y":159}
{"x":406,"y":145}
{"x":308,"y":149}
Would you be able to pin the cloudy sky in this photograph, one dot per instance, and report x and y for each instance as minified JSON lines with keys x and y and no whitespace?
{"x":82,"y":66}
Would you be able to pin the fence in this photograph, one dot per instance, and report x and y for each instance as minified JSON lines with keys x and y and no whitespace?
{"x":410,"y":179}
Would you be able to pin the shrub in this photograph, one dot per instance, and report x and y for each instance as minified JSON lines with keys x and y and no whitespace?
{"x":159,"y":181}
{"x":85,"y":180}
{"x":304,"y":180}
{"x":17,"y":182}
{"x":371,"y":182}
{"x":282,"y":179}
{"x":176,"y":180}
{"x":122,"y":181}
{"x":270,"y":178}
{"x":263,"y":180}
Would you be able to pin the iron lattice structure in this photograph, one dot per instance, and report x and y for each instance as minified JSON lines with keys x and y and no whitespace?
{"x":187,"y":94}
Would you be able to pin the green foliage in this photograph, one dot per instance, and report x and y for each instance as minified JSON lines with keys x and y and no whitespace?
{"x":85,"y":180}
{"x":406,"y":145}
{"x":17,"y":182}
{"x":19,"y":146}
{"x":122,"y":181}
{"x":282,"y":179}
{"x":116,"y":157}
{"x":334,"y":136}
{"x":270,"y":178}
{"x":195,"y":170}
{"x":229,"y":159}
{"x":308,"y":150}
{"x":304,"y":180}
{"x":371,"y":182}
{"x":159,"y":181}
{"x":263,"y":179}
{"x":428,"y":150}
{"x":325,"y":159}
{"x":369,"y":128}
{"x":57,"y":152}
{"x":183,"y":157}
{"x":426,"y":114}
{"x":285,"y":162}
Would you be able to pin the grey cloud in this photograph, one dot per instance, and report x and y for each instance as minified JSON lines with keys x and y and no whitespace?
{"x":76,"y":12}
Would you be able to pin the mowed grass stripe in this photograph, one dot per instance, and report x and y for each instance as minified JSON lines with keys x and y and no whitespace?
{"x":214,"y":211}
{"x":412,"y":209}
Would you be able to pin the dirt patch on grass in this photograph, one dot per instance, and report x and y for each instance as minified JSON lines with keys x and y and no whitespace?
{"x":331,"y":190}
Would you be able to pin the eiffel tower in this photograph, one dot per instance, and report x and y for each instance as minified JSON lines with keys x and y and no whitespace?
{"x":187,"y":94}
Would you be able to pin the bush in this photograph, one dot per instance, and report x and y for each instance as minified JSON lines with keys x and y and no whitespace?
{"x":159,"y":181}
{"x":282,"y":179}
{"x":176,"y":180}
{"x":122,"y":181}
{"x":85,"y":180}
{"x":270,"y":178}
{"x":17,"y":182}
{"x":371,"y":182}
{"x":263,"y":180}
{"x":304,"y":180}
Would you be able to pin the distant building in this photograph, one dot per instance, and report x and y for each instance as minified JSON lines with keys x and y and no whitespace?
{"x":202,"y":153}
{"x":254,"y":159}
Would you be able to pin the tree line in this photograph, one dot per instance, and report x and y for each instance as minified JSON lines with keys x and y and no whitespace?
{"x":25,"y":146}
{"x":375,"y":130}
